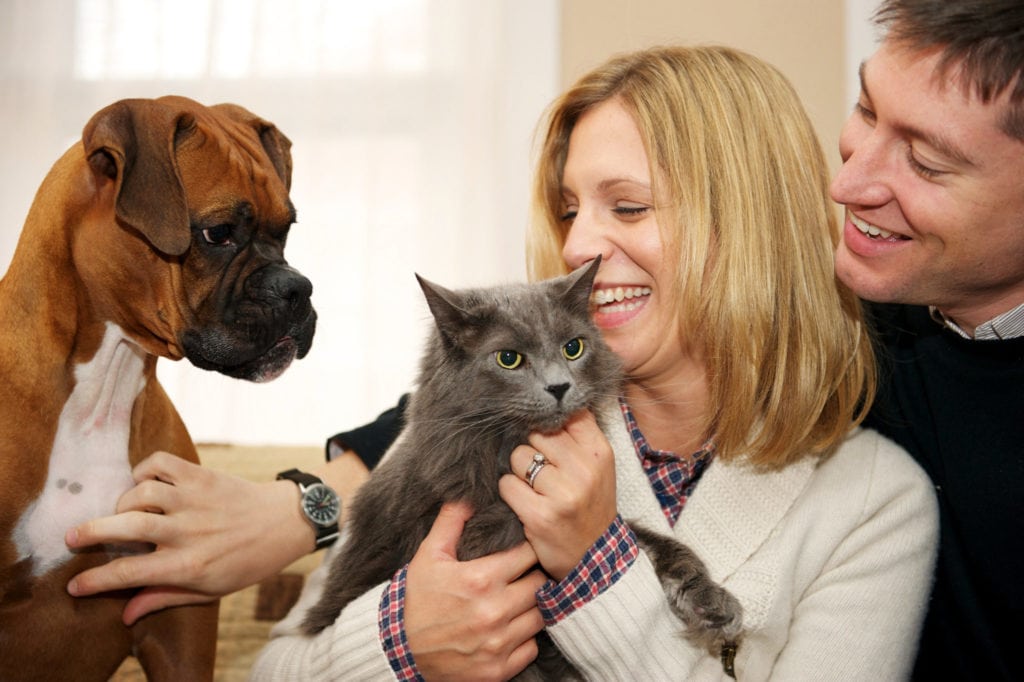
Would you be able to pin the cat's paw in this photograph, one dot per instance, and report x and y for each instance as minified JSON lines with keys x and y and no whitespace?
{"x":713,"y":617}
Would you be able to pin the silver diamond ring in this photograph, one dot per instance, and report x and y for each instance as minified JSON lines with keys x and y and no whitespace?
{"x":535,"y":466}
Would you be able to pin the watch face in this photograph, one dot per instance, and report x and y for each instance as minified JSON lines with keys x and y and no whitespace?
{"x":321,"y":505}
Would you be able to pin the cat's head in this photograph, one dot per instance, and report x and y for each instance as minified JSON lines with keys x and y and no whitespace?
{"x":526,"y":353}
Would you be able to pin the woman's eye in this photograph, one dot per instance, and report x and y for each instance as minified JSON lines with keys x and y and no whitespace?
{"x":573,"y":350}
{"x":630,"y":211}
{"x":508,"y":359}
{"x":219,"y":235}
{"x":568,"y":215}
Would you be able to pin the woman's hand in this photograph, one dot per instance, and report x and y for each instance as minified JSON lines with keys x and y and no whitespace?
{"x":572,"y":501}
{"x":214,"y":534}
{"x":470,"y":620}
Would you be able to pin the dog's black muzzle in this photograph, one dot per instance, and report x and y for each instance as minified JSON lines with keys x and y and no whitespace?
{"x":270,"y":324}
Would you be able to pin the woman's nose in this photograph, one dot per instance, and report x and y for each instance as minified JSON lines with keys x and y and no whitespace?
{"x":584,"y":242}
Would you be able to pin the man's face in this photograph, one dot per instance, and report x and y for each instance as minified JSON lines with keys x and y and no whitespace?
{"x":934,"y":192}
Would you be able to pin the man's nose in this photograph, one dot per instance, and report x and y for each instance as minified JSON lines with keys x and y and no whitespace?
{"x":864,"y":179}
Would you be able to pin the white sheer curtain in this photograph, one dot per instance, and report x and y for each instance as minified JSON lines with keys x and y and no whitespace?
{"x":411,"y":123}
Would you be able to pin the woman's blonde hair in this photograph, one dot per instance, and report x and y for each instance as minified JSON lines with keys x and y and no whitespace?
{"x":741,"y":194}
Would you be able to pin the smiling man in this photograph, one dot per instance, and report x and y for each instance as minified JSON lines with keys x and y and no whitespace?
{"x":933,"y":184}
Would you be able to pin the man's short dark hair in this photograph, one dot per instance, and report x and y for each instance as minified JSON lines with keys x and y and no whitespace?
{"x":982,"y":39}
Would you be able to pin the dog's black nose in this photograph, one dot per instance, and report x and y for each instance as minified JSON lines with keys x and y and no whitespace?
{"x":282,"y":282}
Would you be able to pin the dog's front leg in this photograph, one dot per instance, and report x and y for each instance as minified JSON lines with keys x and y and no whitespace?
{"x":178,"y":643}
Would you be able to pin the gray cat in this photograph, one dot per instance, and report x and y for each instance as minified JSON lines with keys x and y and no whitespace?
{"x":502,"y":362}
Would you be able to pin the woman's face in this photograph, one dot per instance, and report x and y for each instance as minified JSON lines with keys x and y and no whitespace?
{"x":609,"y":210}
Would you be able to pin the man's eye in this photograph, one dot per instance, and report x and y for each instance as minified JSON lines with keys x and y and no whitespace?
{"x":919,"y":168}
{"x":864,"y":112}
{"x":219,"y":235}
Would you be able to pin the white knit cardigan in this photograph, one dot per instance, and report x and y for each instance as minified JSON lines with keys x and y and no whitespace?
{"x":831,"y":561}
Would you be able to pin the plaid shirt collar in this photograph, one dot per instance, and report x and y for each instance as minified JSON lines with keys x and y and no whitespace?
{"x":673,"y":477}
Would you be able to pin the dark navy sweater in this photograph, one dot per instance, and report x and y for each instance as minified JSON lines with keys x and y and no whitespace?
{"x":957,"y":405}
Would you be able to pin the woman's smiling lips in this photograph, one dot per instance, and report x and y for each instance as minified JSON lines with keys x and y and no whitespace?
{"x":616,"y":305}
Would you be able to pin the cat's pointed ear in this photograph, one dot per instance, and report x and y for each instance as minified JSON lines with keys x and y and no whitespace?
{"x":579,"y":284}
{"x":445,"y":307}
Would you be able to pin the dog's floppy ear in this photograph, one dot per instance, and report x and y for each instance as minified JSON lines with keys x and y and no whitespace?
{"x":278,"y":148}
{"x":132,"y":143}
{"x":275,"y":143}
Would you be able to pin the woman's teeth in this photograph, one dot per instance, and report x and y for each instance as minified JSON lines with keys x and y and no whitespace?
{"x":869,"y":229}
{"x":619,"y":299}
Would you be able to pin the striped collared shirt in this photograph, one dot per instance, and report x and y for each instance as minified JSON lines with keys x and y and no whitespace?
{"x":1009,"y":325}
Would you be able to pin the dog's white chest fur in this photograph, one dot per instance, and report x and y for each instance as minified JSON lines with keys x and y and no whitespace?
{"x":89,"y":466}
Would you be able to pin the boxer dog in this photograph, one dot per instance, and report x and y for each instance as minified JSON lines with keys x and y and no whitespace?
{"x":160,"y":235}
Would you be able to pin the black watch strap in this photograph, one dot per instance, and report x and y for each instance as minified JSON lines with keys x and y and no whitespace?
{"x":320,"y":505}
{"x":301,"y":477}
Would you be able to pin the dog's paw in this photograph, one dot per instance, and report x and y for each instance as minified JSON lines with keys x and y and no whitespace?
{"x":713,"y":617}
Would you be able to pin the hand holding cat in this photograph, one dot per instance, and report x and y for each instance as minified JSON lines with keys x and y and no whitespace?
{"x":472,"y":619}
{"x":572,"y":501}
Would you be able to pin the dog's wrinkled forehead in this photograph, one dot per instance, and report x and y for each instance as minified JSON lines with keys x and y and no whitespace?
{"x":234,"y":179}
{"x":222,"y":157}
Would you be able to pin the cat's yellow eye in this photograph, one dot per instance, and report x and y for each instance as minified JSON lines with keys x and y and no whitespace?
{"x":573,"y":350}
{"x":508,"y":359}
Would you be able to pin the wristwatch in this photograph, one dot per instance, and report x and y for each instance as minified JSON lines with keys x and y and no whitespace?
{"x":319,"y":504}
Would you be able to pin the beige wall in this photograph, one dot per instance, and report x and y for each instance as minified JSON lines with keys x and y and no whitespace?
{"x":803,"y":38}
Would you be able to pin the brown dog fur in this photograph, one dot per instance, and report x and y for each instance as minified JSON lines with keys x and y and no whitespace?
{"x":108,"y":239}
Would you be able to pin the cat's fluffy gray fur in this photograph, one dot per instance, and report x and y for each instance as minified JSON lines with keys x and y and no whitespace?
{"x":463,"y":421}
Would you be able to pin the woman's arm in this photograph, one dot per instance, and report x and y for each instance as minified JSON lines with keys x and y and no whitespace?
{"x":348,"y":649}
{"x":860,"y":617}
{"x":440,"y":618}
{"x":839,"y":589}
{"x":605,"y":608}
{"x":629,"y":632}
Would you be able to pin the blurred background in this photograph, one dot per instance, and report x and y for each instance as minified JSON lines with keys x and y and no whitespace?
{"x":412,"y":123}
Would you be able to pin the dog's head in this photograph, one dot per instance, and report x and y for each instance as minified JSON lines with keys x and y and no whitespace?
{"x":201,"y":194}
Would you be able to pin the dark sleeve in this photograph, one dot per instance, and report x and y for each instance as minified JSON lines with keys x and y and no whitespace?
{"x":372,"y":440}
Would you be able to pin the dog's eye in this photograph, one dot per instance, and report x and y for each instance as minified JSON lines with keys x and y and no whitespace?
{"x":219,"y":235}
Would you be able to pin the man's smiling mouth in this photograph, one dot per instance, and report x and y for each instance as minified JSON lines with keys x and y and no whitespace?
{"x":873,"y":231}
